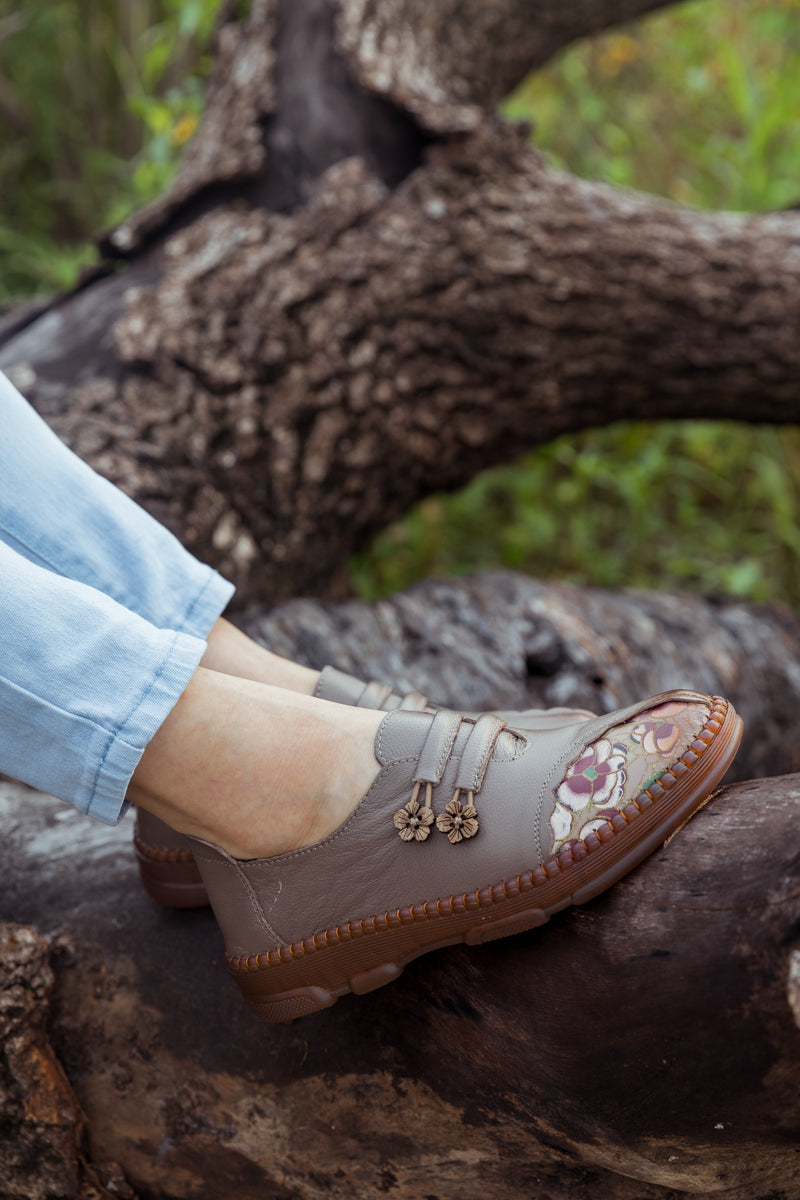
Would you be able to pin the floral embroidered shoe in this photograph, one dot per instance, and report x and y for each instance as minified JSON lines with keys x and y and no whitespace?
{"x":166,"y":864}
{"x":471,"y":831}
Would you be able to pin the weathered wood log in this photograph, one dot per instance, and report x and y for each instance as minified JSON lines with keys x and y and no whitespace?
{"x":451,"y":62}
{"x":637,"y":1049}
{"x":43,"y":1152}
{"x":277,"y":386}
{"x":641,"y":1048}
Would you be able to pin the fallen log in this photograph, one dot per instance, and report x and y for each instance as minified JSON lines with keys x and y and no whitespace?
{"x":641,"y":1048}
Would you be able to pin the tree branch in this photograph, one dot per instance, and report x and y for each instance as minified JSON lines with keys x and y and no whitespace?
{"x":294,"y":382}
{"x":452,"y":62}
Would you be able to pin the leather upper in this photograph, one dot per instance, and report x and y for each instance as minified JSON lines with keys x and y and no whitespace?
{"x":364,"y":868}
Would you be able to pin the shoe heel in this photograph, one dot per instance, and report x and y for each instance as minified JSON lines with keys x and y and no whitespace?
{"x":300,"y":1002}
{"x":172,"y":884}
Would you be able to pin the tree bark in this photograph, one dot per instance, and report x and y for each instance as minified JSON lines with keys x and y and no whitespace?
{"x":452,"y":62}
{"x":278,"y":386}
{"x":640,"y":1048}
{"x":294,"y":382}
{"x":43,"y":1134}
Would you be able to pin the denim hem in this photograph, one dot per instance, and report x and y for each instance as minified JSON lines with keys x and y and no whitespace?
{"x":207,"y":606}
{"x":127,"y":744}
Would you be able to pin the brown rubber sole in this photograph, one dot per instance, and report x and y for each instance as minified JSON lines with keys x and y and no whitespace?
{"x":293,"y":981}
{"x":170,"y":877}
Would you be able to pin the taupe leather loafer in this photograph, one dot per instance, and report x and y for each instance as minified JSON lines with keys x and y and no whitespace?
{"x":471,"y":831}
{"x":164,"y":857}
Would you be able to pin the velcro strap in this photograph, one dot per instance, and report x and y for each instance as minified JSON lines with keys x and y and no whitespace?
{"x":438,"y":745}
{"x":414,"y":701}
{"x":478,"y":751}
{"x":375,"y":695}
{"x":338,"y":687}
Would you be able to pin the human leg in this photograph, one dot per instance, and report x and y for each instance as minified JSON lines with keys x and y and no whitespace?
{"x":310,"y":840}
{"x":84,"y":685}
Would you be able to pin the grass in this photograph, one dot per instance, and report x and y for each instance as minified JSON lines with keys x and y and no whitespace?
{"x":96,"y":100}
{"x":704,"y":506}
{"x":697,"y":103}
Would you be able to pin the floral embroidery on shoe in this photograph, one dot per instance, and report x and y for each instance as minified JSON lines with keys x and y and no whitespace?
{"x":617,"y":768}
{"x":598,"y":776}
{"x":594,"y":782}
{"x":412,"y":822}
{"x":657,"y":734}
{"x":458,"y":821}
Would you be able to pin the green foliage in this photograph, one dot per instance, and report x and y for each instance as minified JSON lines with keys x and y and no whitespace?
{"x":697,"y":104}
{"x":699,"y":505}
{"x":96,"y":100}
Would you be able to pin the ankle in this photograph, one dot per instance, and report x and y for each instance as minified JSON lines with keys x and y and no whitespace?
{"x":231,"y":652}
{"x":255,"y":769}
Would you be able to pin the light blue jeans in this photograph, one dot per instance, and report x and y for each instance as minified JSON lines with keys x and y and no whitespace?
{"x":103,"y":619}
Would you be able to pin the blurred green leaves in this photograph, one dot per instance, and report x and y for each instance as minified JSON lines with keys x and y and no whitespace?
{"x":698,"y":103}
{"x":705,"y":506}
{"x":97,"y":98}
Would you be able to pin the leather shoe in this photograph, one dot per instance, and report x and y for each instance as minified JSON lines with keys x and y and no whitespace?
{"x":471,"y":831}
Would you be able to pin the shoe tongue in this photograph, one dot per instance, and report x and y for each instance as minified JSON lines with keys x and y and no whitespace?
{"x":401,"y":734}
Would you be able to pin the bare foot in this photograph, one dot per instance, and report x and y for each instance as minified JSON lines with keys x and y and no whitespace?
{"x":256,"y":769}
{"x":233,"y":653}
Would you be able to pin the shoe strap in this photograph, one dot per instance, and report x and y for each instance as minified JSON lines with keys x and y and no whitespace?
{"x":341,"y":688}
{"x":376,"y":695}
{"x":477,"y":752}
{"x":437,"y":746}
{"x":477,"y":749}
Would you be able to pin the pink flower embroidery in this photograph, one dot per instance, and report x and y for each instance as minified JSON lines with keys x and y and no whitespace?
{"x":595,"y":782}
{"x":596,"y":778}
{"x":656,"y":733}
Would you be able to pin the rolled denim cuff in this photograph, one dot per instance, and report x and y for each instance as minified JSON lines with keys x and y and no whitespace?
{"x":102,"y":794}
{"x":209,"y":604}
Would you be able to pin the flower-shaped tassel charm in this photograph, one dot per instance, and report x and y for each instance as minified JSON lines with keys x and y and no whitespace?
{"x":413,"y":821}
{"x":459,"y":821}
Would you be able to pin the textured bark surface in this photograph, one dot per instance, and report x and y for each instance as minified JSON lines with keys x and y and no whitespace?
{"x":43,"y":1128}
{"x":293,"y":382}
{"x":276,"y":386}
{"x":451,"y":62}
{"x":643,"y":1047}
